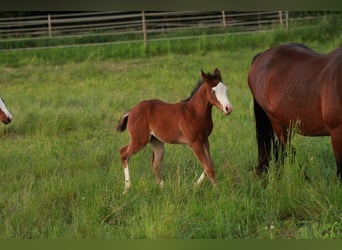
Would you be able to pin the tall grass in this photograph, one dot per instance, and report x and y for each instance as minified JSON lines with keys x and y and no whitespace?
{"x":60,"y":168}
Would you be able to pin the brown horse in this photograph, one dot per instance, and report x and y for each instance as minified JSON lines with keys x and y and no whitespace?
{"x":187,"y":122}
{"x":292,"y":84}
{"x":5,"y":116}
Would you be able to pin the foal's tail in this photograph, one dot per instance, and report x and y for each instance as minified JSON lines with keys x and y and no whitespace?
{"x":264,"y":136}
{"x":122,"y":123}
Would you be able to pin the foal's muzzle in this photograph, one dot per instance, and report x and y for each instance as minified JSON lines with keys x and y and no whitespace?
{"x":7,"y":120}
{"x":228,"y":109}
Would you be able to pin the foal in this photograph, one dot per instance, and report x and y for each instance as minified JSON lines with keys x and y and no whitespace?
{"x":187,"y":122}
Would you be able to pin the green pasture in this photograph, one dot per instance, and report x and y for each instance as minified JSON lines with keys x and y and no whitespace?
{"x":60,"y":171}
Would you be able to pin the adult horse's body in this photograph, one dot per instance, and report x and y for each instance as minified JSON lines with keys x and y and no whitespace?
{"x":5,"y":116}
{"x":187,"y":122}
{"x":292,"y":84}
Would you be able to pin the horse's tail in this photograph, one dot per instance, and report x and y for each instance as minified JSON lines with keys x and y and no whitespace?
{"x":264,"y":136}
{"x":122,"y":123}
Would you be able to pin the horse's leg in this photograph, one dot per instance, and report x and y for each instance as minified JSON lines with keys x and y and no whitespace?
{"x":157,"y":158}
{"x":336,"y":141}
{"x":286,"y":148}
{"x":124,"y":160}
{"x":200,"y":179}
{"x":281,"y":133}
{"x":201,"y":150}
{"x":127,"y":151}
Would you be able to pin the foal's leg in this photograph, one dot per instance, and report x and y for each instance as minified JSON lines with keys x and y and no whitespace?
{"x":124,"y":160}
{"x":127,"y":151}
{"x":157,"y":158}
{"x":201,"y":150}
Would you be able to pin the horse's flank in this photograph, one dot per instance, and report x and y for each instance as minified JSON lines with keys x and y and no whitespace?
{"x":292,"y":84}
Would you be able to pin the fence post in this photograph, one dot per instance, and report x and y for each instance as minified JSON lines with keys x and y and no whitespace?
{"x":144,"y":28}
{"x":287,"y":20}
{"x":49,"y":26}
{"x":280,"y":13}
{"x":224,"y":18}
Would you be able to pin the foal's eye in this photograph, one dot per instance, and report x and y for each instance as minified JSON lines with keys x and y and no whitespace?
{"x":213,"y":91}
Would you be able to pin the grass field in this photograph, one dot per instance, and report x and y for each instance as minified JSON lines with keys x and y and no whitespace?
{"x":60,"y":172}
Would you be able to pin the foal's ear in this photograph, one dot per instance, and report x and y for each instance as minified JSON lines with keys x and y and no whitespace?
{"x":217,"y":73}
{"x":203,"y":75}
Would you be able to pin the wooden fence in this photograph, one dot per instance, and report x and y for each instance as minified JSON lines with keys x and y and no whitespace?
{"x":138,"y":26}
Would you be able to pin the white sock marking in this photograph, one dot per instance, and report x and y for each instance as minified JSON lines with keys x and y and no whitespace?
{"x":200,"y":179}
{"x":127,"y":179}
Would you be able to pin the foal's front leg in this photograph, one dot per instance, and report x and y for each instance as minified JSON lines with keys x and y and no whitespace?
{"x":201,"y":150}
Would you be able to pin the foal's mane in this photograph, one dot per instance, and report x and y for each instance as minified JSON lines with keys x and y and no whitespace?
{"x":198,"y":85}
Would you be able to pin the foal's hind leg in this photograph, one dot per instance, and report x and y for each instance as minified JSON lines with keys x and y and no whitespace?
{"x":157,"y":158}
{"x":127,"y":151}
{"x":124,"y":160}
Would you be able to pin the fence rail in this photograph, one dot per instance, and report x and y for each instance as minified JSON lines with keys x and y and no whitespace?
{"x":120,"y":27}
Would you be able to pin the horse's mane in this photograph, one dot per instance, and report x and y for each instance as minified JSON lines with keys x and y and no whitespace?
{"x":198,"y":85}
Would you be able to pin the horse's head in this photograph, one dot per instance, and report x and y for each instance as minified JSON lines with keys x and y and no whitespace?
{"x":217,"y":94}
{"x":5,"y":116}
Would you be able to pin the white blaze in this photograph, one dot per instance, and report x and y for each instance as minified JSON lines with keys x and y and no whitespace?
{"x":221,"y":95}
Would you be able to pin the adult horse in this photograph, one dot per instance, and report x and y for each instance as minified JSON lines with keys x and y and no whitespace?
{"x":187,"y":122}
{"x":5,"y":116}
{"x":292,"y":84}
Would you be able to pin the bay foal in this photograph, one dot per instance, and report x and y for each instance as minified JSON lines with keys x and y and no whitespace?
{"x":187,"y":122}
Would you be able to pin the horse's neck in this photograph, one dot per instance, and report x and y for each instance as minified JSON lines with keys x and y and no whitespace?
{"x":198,"y":103}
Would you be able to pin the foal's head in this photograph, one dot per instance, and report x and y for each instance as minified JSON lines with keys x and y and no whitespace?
{"x":217,"y":94}
{"x":5,"y":116}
